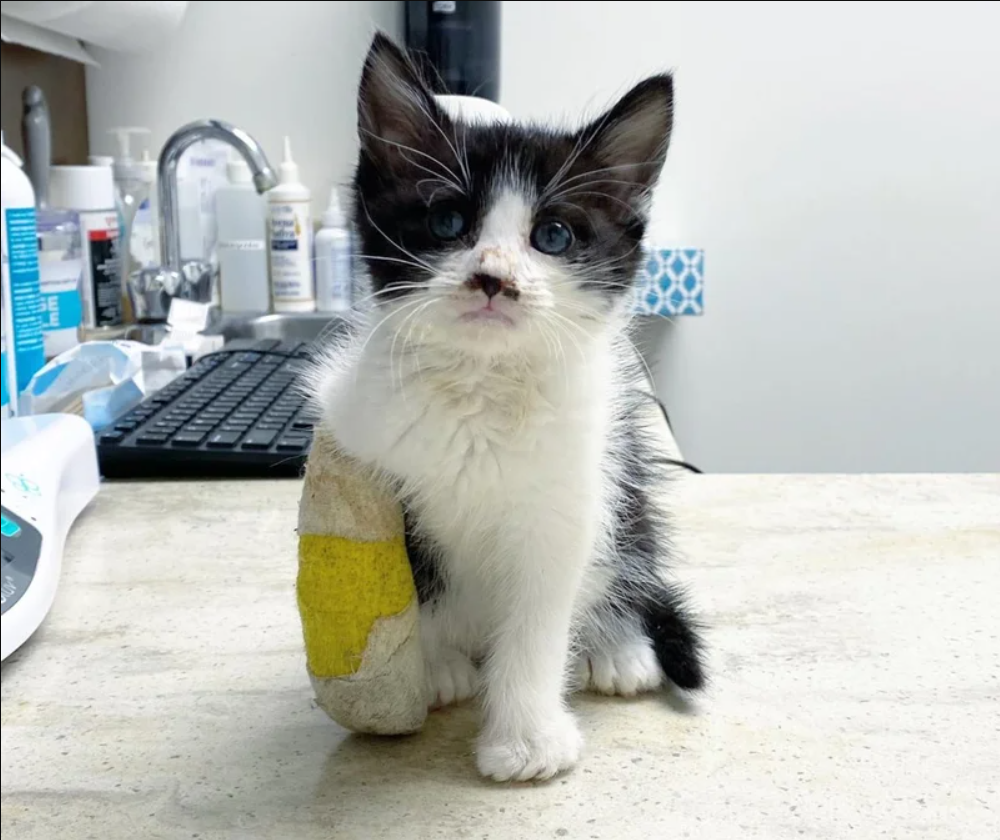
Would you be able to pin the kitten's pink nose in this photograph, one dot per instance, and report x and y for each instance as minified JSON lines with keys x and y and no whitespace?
{"x":491,"y":286}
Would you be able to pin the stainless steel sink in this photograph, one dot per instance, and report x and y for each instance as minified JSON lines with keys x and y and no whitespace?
{"x":305,"y":326}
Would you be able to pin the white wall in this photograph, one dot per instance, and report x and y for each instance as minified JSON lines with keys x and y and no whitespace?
{"x":293,"y":71}
{"x":837,"y":161}
{"x":840,"y":164}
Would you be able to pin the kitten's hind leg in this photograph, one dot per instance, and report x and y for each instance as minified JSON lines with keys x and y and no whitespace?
{"x":626,"y":667}
{"x":630,"y":646}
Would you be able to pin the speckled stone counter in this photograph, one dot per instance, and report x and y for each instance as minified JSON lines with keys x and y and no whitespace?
{"x":856,"y":689}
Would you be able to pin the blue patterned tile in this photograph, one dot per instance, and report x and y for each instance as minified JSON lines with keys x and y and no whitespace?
{"x":672,"y":282}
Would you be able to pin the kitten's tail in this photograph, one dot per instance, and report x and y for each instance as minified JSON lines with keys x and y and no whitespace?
{"x":675,"y":637}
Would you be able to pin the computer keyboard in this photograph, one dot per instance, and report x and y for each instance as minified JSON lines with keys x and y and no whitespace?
{"x":234,"y":413}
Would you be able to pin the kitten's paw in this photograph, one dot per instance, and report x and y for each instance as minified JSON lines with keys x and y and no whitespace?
{"x":538,"y":753}
{"x":451,"y":678}
{"x":626,"y":670}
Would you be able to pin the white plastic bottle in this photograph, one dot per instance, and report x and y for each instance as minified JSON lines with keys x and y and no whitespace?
{"x":90,"y":190}
{"x":334,"y":283}
{"x":22,"y":295}
{"x":241,"y":216}
{"x":290,"y":221}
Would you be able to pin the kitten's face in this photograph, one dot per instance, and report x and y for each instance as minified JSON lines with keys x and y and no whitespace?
{"x":499,"y":238}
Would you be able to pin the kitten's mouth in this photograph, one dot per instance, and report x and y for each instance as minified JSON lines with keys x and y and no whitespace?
{"x":487,"y":315}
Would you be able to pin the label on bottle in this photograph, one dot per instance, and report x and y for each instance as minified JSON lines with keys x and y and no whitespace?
{"x":241,"y":245}
{"x":291,"y":253}
{"x":60,"y":283}
{"x":20,"y":278}
{"x":144,"y":239}
{"x":5,"y":404}
{"x":102,"y":288}
{"x":333,"y":274}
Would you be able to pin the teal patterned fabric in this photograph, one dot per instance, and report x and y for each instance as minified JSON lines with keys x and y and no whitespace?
{"x":672,"y":282}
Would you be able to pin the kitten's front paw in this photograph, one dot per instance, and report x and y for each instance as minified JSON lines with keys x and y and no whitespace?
{"x":538,"y":753}
{"x":451,"y":678}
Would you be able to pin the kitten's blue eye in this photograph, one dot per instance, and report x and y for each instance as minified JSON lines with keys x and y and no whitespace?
{"x":446,"y":223}
{"x":551,"y":237}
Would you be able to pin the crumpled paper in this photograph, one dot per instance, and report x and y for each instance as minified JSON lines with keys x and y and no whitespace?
{"x":101,"y":380}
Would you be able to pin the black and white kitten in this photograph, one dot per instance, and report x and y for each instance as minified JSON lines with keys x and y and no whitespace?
{"x":493,"y":385}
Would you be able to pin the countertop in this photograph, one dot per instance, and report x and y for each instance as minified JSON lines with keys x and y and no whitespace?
{"x":854,"y":634}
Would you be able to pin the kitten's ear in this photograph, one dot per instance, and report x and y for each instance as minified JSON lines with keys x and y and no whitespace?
{"x":396,"y":109}
{"x":632,"y":138}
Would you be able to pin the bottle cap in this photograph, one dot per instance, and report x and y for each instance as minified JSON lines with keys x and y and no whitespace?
{"x":289,"y":168}
{"x":333,"y":216}
{"x":124,"y":165}
{"x":238,"y":170}
{"x":146,"y":167}
{"x":81,"y":188}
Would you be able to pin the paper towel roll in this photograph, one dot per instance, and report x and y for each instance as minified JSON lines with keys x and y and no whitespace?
{"x":125,"y":26}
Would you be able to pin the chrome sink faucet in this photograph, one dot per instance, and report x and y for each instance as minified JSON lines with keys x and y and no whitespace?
{"x":180,"y":140}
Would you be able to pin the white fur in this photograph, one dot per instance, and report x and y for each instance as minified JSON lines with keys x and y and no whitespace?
{"x":494,"y":435}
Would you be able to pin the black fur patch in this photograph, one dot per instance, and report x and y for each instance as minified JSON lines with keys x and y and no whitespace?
{"x":641,"y":547}
{"x":427,"y":574}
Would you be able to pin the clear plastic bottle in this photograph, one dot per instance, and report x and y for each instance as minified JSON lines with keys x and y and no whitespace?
{"x":334,"y":283}
{"x":241,"y":216}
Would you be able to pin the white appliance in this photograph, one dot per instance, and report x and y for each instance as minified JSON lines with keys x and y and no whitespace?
{"x":48,"y":476}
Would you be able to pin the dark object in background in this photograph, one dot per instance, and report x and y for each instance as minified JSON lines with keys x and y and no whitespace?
{"x":65,"y":89}
{"x":36,"y":135}
{"x":460,"y":41}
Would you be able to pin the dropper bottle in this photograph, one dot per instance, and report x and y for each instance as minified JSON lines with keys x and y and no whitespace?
{"x":290,"y":236}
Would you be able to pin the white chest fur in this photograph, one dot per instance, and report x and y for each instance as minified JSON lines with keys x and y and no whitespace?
{"x":481,"y":449}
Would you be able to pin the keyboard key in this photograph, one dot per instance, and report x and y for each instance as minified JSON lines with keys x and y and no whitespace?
{"x":223,"y":440}
{"x":302,"y":425}
{"x":292,"y":444}
{"x":151,"y":438}
{"x":259,"y":439}
{"x":188,"y":439}
{"x":270,"y":425}
{"x":126,"y":425}
{"x":112,"y":436}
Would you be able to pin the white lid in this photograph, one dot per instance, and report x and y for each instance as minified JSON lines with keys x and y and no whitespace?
{"x":333,"y":216}
{"x":81,"y":187}
{"x":238,"y":170}
{"x":289,"y":168}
